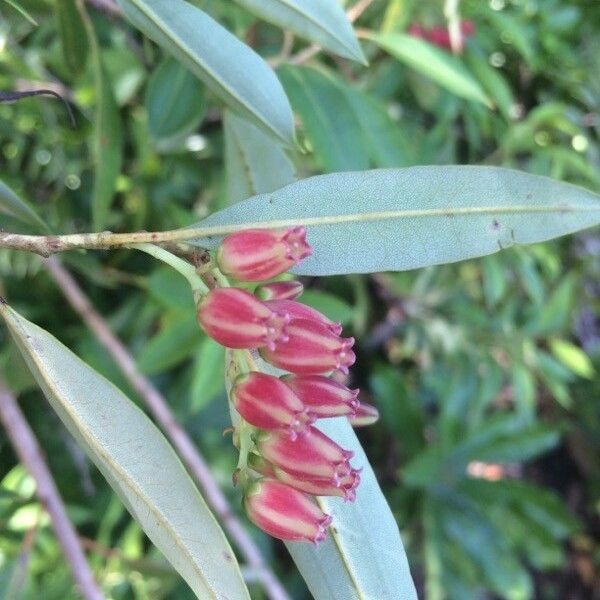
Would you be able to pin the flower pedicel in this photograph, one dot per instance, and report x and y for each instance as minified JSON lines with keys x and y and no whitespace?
{"x":284,"y":460}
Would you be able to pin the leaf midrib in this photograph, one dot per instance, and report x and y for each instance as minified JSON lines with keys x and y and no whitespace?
{"x":215,"y":230}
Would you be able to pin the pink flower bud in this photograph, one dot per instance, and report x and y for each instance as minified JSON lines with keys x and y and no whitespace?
{"x":311,"y":348}
{"x":285,"y":513}
{"x":440,"y":37}
{"x":259,"y":254}
{"x":365,"y":415}
{"x":312,"y":455}
{"x":345,"y":488}
{"x":323,"y":396}
{"x":297,"y":310}
{"x":266,"y":402}
{"x":280,"y":290}
{"x":236,"y":319}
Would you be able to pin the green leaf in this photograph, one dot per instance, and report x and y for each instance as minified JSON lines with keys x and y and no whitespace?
{"x":254,"y":163}
{"x":330,"y":123}
{"x":12,"y":205}
{"x":17,"y":6}
{"x":363,"y":556}
{"x":554,"y":315}
{"x":441,"y":67}
{"x":572,"y":357}
{"x":174,"y":101}
{"x":491,"y":81}
{"x":136,"y":460}
{"x":336,"y":309}
{"x":108,"y":134}
{"x":321,"y":21}
{"x":494,"y":280}
{"x":171,"y":289}
{"x":385,"y":140}
{"x":227,"y":66}
{"x":523,"y":390}
{"x":208,"y":376}
{"x":72,"y":35}
{"x":399,"y":219}
{"x":173,"y":344}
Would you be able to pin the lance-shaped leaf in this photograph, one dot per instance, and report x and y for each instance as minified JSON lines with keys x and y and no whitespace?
{"x":399,"y":219}
{"x":254,"y":163}
{"x":443,"y":68}
{"x":108,"y":134}
{"x":321,"y":21}
{"x":136,"y":460}
{"x":12,"y":205}
{"x":232,"y":70}
{"x":363,"y":555}
{"x":72,"y":35}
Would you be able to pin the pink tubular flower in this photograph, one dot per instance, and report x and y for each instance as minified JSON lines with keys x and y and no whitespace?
{"x":280,"y":290}
{"x":285,"y":513}
{"x":365,"y":415}
{"x":236,"y":319}
{"x":266,"y":402}
{"x":323,"y":396}
{"x":345,"y":487}
{"x":259,"y":254}
{"x":297,"y":310}
{"x":312,"y":455}
{"x":311,"y":348}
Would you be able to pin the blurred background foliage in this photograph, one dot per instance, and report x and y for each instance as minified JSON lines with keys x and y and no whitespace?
{"x":485,"y":372}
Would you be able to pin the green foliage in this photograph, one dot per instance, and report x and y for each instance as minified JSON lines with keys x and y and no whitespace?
{"x":485,"y":372}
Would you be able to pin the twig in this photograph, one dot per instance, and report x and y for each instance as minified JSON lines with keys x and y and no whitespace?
{"x":27,"y":448}
{"x":354,"y":12}
{"x":452,"y":14}
{"x":46,"y":245}
{"x":160,"y":410}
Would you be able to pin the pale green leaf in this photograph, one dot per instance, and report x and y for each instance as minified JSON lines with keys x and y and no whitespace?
{"x":231,"y":69}
{"x":254,"y":163}
{"x":572,"y":357}
{"x":399,"y":219}
{"x":363,"y":557}
{"x":136,"y":460}
{"x":443,"y":68}
{"x":12,"y":205}
{"x":320,"y":21}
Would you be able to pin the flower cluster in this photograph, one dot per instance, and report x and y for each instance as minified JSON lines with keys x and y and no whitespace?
{"x":284,"y":458}
{"x":440,"y":36}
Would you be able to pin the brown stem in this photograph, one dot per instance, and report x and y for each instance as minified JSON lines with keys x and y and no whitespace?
{"x":28,"y":450}
{"x":161,"y":412}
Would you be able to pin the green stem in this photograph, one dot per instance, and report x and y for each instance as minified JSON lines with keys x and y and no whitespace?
{"x":180,"y":265}
{"x":244,"y":429}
